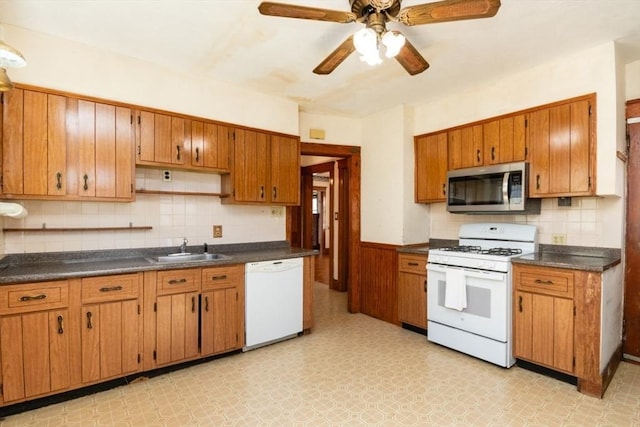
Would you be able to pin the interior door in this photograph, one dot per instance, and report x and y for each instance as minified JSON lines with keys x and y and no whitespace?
{"x":631,"y":337}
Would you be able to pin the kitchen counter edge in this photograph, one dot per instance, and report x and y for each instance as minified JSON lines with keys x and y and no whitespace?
{"x":26,"y":268}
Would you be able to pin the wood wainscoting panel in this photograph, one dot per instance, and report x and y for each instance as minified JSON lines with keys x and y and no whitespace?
{"x":379,"y":281}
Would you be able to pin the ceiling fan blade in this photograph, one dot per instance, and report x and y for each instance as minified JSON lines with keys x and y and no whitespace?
{"x":411,"y":60}
{"x":303,"y":12}
{"x":336,"y":57}
{"x":448,"y":10}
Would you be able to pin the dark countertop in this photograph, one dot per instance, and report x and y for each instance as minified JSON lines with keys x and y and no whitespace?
{"x":37,"y":267}
{"x":423,"y":249}
{"x":572,"y":257}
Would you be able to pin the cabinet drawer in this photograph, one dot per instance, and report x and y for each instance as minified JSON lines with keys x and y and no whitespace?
{"x":34,"y":297}
{"x":222,"y":276}
{"x":178,"y":281}
{"x":547,"y":281}
{"x":413,"y":264}
{"x":109,"y":288}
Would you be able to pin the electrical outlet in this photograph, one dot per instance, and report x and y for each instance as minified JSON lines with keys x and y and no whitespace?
{"x":277,"y":211}
{"x":559,"y":239}
{"x":166,"y":175}
{"x":217,"y":231}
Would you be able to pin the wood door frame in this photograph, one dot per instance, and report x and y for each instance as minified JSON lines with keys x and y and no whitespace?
{"x":351,"y":156}
{"x":631,"y":332}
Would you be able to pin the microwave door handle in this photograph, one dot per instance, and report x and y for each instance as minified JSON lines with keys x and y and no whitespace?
{"x":505,"y":188}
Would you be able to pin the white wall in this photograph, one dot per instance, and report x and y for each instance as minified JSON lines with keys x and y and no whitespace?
{"x":74,"y":67}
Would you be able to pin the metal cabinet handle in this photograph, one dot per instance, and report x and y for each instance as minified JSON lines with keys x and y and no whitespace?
{"x":197,"y":154}
{"x":60,"y":325}
{"x":413,"y":264}
{"x":262,"y":191}
{"x":193,"y":304}
{"x":89,"y":316}
{"x":425,"y":286}
{"x":58,"y":180}
{"x":520,"y":303}
{"x":177,"y":281}
{"x":206,"y":303}
{"x":493,"y":153}
{"x":537,"y":181}
{"x":275,"y":192}
{"x":110,"y":289}
{"x":544,"y":282}
{"x":32,"y":298}
{"x":224,"y":276}
{"x":177,"y":152}
{"x":444,"y":189}
{"x":86,"y":182}
{"x":478,"y":155}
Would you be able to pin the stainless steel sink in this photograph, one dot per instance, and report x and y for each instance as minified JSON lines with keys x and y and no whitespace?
{"x":189,"y":257}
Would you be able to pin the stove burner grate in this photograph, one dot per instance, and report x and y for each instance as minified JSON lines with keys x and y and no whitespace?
{"x":463,"y":248}
{"x":502,"y":251}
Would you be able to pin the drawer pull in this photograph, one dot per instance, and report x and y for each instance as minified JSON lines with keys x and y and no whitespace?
{"x":520,"y":303}
{"x":544,"y":282}
{"x":59,"y":181}
{"x":89,"y":316}
{"x":223,"y":277}
{"x":85,"y":178}
{"x":413,"y":264}
{"x":193,"y":304}
{"x":60,"y":325}
{"x":198,"y":154}
{"x":112,"y":288}
{"x":32,"y":298}
{"x":177,"y":152}
{"x":206,"y":304}
{"x":425,"y":286}
{"x":177,"y":281}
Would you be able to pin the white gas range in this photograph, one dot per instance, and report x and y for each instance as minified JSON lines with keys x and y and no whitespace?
{"x":470,"y":290}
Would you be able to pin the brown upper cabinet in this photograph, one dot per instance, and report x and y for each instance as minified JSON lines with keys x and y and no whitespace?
{"x":164,"y":140}
{"x":489,"y":143}
{"x":561,"y":138}
{"x":57,"y":146}
{"x":558,"y":140}
{"x":266,"y":169}
{"x":431,"y":168}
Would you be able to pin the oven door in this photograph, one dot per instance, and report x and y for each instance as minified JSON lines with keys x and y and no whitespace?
{"x":488,"y":302}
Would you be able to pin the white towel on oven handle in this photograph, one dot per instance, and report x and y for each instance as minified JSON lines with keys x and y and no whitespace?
{"x":455,"y":294}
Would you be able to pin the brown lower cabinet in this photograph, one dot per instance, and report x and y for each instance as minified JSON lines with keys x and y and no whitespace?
{"x":412,"y":289}
{"x":558,"y":323}
{"x":61,"y":335}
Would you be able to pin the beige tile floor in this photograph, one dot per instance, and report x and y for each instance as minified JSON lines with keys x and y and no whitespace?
{"x":352,"y":370}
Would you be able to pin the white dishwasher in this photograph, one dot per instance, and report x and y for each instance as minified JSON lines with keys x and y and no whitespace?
{"x":273,"y":301}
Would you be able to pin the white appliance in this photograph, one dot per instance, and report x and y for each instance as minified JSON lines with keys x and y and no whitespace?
{"x":470,"y":290}
{"x":273,"y":301}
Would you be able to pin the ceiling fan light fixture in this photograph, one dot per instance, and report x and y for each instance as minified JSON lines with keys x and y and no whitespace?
{"x":366,"y":42}
{"x":5,"y":81}
{"x":10,"y":57}
{"x":393,"y":41}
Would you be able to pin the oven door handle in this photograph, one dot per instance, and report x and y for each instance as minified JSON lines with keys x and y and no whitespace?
{"x":468,"y":272}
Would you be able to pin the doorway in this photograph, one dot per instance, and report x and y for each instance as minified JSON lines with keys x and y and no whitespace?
{"x":631,"y":333}
{"x":344,"y":163}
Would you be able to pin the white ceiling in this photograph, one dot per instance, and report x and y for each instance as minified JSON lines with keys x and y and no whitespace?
{"x":229,"y":41}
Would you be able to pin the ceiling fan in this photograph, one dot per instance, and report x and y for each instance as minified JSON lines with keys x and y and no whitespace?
{"x":375,"y":14}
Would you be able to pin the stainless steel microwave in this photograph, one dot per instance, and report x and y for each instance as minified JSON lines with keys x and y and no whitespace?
{"x":491,"y":189}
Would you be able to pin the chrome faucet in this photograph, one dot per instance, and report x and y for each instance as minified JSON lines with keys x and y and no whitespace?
{"x":183,"y":246}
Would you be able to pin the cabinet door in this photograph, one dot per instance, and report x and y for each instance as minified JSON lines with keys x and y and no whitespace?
{"x":177,"y":327}
{"x":220,"y":313}
{"x":34,"y":143}
{"x":145,"y":136}
{"x":412,"y":299}
{"x":560,"y":144}
{"x":431,"y":168}
{"x":491,"y":136}
{"x":35,"y":354}
{"x":512,"y":139}
{"x":217,"y":141}
{"x":251,"y":166}
{"x":285,"y":170}
{"x":543,"y":330}
{"x":162,"y":139}
{"x":110,"y":343}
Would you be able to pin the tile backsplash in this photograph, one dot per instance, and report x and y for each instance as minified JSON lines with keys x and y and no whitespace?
{"x":171,"y":217}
